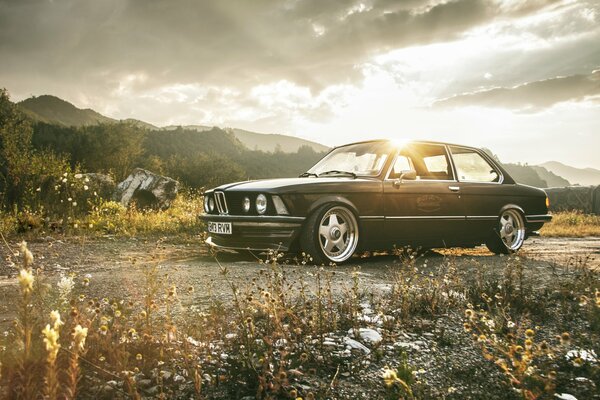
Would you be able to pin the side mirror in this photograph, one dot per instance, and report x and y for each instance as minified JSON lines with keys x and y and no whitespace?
{"x":410,"y":175}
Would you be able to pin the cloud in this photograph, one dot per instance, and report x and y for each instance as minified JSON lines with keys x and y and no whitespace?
{"x":533,"y":96}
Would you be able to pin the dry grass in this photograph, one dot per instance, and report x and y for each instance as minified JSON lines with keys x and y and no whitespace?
{"x":572,"y":224}
{"x":283,"y":337}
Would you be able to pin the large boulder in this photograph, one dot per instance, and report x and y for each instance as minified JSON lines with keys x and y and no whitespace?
{"x":147,"y":190}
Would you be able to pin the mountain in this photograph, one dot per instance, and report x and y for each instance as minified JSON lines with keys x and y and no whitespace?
{"x":550,"y":177}
{"x":579,"y":176}
{"x":54,"y":110}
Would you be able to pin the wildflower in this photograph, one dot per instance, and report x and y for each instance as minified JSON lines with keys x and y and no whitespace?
{"x":56,"y":321}
{"x":85,"y":187}
{"x":190,"y":289}
{"x":51,"y":340}
{"x":510,"y":324}
{"x":518,"y":349}
{"x":389,"y":376}
{"x":552,"y":375}
{"x":70,"y":199}
{"x":86,"y":281}
{"x":74,"y":204}
{"x":117,"y":313}
{"x":65,"y":286}
{"x":79,"y":336}
{"x":468,"y":313}
{"x":528,"y":344}
{"x":27,"y":256}
{"x":577,"y":362}
{"x":303,"y":357}
{"x":103,"y":329}
{"x":26,"y":280}
{"x":481,"y":338}
{"x":139,"y":357}
{"x":467,"y":327}
{"x":565,"y":338}
{"x":529,"y":333}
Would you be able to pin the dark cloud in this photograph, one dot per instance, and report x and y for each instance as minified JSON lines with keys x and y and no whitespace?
{"x":532,"y":96}
{"x":225,"y":42}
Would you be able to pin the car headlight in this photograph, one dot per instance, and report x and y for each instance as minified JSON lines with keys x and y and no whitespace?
{"x":211,"y":204}
{"x":261,"y":204}
{"x":206,"y":204}
{"x":246,"y":204}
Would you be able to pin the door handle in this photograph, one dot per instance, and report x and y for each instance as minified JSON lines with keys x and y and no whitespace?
{"x":454,"y":188}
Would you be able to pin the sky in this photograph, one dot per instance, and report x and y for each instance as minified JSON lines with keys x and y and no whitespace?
{"x":520,"y":77}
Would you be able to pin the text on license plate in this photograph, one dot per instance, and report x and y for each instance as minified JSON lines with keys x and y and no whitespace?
{"x":222,"y":228}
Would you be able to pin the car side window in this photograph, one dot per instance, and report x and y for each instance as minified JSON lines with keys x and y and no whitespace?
{"x":402,"y":164}
{"x":430,"y":161}
{"x":471,"y":166}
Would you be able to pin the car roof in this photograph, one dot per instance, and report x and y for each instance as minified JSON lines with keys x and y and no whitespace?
{"x":408,"y":141}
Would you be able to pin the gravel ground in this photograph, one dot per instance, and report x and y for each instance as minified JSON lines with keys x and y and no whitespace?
{"x":445,"y":357}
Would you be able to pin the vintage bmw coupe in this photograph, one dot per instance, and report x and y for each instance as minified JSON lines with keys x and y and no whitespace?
{"x":376,"y":195}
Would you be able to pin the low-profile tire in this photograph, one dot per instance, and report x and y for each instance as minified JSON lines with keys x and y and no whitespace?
{"x":330,"y":234}
{"x":509,"y":234}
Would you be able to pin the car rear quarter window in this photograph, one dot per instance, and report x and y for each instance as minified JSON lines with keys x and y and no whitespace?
{"x":430,"y":161}
{"x":471,"y":166}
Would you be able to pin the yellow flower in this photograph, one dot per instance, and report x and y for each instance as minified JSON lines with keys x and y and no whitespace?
{"x":51,"y":337}
{"x":518,"y":349}
{"x":528,"y":344}
{"x":139,"y":357}
{"x":26,"y":280}
{"x":103,"y":329}
{"x":481,"y":338}
{"x":565,"y":338}
{"x":56,"y":321}
{"x":389,"y":376}
{"x":79,"y":336}
{"x":529,"y":333}
{"x":578,"y":362}
{"x":27,"y":256}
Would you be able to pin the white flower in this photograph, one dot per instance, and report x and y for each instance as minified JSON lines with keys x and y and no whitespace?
{"x":56,"y":321}
{"x":25,"y":279}
{"x":65,"y":287}
{"x":78,"y":176}
{"x":79,"y":335}
{"x":85,"y":187}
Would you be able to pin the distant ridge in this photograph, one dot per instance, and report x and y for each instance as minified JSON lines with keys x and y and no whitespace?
{"x":580,"y":176}
{"x":51,"y":109}
{"x":54,"y":110}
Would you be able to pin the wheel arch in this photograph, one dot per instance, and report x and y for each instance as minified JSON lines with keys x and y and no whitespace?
{"x":512,"y":206}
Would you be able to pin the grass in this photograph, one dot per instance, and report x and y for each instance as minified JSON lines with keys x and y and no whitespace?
{"x":572,"y":224}
{"x":282,"y":336}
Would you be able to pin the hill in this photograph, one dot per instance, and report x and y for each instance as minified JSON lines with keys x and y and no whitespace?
{"x":52,"y":109}
{"x":579,"y":176}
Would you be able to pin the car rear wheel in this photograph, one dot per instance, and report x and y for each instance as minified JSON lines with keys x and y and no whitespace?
{"x":509,"y":234}
{"x":330,"y":234}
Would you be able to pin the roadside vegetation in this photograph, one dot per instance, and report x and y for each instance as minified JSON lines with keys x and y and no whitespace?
{"x":291,"y":333}
{"x":572,"y":224}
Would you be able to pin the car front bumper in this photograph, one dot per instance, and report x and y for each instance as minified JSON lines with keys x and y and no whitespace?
{"x":259,"y":233}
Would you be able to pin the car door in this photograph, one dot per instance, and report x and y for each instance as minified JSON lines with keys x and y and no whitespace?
{"x":481,"y":188}
{"x":427,"y":210}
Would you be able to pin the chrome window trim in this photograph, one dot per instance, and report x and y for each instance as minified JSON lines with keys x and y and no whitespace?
{"x":485,"y":157}
{"x":397,"y":153}
{"x":372,"y":217}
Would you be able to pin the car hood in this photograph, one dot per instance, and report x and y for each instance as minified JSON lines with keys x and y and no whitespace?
{"x":282,"y":185}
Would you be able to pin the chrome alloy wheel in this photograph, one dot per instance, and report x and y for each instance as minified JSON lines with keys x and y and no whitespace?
{"x":338,"y":234}
{"x":512,"y":229}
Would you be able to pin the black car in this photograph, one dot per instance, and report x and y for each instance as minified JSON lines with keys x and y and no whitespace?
{"x":376,"y":195}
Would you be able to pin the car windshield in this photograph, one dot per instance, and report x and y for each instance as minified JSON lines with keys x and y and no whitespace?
{"x":366,"y":159}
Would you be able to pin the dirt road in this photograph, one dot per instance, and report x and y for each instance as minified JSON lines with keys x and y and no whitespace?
{"x":113,"y":265}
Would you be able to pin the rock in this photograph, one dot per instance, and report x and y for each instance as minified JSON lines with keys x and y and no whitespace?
{"x":353,"y":344}
{"x":565,"y":396}
{"x":368,"y":335}
{"x":102,"y":184}
{"x":147,"y":190}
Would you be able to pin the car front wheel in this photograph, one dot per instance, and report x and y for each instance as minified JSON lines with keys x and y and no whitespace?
{"x":509,"y":234}
{"x":330,"y":234}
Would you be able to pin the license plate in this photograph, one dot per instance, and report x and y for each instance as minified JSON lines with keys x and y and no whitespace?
{"x":221,"y":228}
